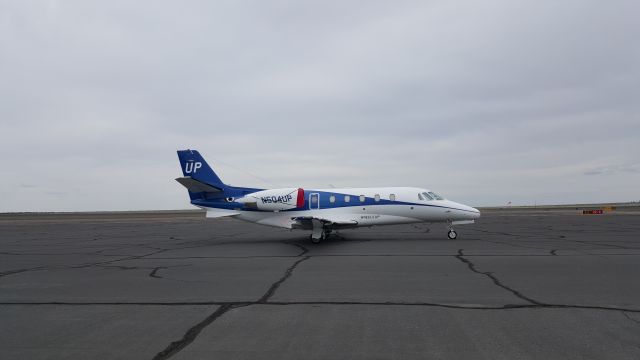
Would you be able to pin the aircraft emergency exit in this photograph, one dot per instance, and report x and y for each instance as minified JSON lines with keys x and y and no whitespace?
{"x":320,"y":211}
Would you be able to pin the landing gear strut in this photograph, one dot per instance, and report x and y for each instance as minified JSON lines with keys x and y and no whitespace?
{"x":316,"y":240}
{"x":319,"y":233}
{"x":452,"y":233}
{"x":324,"y":235}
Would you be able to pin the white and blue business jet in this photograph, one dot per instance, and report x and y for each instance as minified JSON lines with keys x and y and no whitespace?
{"x":319,"y":210}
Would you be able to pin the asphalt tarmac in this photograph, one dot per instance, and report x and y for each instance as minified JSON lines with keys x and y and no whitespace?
{"x":516,"y":285}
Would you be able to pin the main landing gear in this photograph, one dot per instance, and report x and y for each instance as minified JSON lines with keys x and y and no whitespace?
{"x":319,"y":232}
{"x":317,"y":237}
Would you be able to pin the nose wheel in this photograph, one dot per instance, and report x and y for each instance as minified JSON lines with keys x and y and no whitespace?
{"x":452,"y":234}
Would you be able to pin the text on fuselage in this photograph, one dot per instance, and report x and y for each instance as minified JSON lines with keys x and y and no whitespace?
{"x":276,"y":199}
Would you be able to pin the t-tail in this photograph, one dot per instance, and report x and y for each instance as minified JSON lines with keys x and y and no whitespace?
{"x":199,"y":178}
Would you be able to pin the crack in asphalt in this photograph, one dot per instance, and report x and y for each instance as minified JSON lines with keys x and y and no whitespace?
{"x":18,"y":271}
{"x":154,"y":272}
{"x":513,"y":245}
{"x":103,"y":264}
{"x":284,"y":278}
{"x":45,"y":254}
{"x":372,"y":255}
{"x":629,"y":317}
{"x":301,"y":247}
{"x":132,"y":257}
{"x":106,"y":264}
{"x":120,"y":267}
{"x":499,"y":233}
{"x":192,"y":333}
{"x":496,"y":281}
{"x":601,"y":244}
{"x":355,"y":303}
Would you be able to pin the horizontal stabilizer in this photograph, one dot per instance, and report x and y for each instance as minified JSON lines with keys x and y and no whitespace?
{"x":217,"y":213}
{"x":196,"y":186}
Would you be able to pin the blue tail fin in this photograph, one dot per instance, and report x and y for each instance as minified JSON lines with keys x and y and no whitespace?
{"x":194,"y":166}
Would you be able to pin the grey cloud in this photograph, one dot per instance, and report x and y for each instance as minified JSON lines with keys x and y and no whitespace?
{"x":614,"y":169}
{"x":486,"y":102}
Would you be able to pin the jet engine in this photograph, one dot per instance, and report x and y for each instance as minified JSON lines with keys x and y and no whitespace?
{"x":274,"y":199}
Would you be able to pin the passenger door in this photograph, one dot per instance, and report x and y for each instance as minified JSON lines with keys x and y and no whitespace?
{"x":314,"y":201}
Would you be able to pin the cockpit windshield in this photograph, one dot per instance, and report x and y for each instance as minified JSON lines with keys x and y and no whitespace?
{"x":429,"y":196}
{"x":435,"y":196}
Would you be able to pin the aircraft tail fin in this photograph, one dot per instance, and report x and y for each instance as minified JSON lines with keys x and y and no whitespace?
{"x":199,"y":177}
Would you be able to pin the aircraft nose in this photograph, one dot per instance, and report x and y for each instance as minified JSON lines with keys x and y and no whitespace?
{"x":469,"y":211}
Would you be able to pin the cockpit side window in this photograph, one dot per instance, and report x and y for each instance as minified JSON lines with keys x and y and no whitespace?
{"x":427,"y":196}
{"x":420,"y":196}
{"x":436,"y":196}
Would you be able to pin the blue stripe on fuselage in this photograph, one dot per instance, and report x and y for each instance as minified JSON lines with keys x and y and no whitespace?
{"x":324,"y":201}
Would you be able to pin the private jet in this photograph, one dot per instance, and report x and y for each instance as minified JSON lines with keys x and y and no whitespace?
{"x":320,"y":211}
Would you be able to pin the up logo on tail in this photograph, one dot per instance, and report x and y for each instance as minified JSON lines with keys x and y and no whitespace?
{"x":192,"y":167}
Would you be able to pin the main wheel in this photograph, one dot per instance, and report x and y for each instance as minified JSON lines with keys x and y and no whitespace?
{"x":452,"y":234}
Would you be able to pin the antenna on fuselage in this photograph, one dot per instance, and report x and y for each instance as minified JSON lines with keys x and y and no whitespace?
{"x":248,"y":173}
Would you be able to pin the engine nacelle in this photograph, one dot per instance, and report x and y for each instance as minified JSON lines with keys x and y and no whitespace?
{"x":274,"y":199}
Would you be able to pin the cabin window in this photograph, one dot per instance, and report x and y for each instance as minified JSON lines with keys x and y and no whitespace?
{"x":392,"y":197}
{"x":427,"y":196}
{"x":420,"y":196}
{"x":377,"y":197}
{"x":332,"y":199}
{"x":347,"y":198}
{"x":362,"y":198}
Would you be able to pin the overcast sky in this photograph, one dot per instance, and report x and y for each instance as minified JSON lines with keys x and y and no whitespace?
{"x":483,"y":101}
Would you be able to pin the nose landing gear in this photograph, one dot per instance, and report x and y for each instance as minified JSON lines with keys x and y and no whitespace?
{"x":452,"y":235}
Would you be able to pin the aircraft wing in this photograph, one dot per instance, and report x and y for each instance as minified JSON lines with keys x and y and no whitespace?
{"x":306,"y":222}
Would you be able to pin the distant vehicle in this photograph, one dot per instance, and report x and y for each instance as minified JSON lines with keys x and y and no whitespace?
{"x":319,"y":210}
